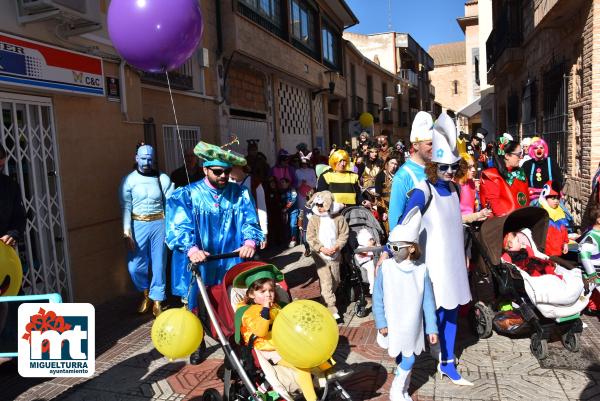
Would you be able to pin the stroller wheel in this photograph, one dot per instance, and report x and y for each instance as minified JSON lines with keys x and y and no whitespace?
{"x":571,"y":341}
{"x":481,"y":320}
{"x":211,"y":395}
{"x":360,"y":310}
{"x":539,"y":346}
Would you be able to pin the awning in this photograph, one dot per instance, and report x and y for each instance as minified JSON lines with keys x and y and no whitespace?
{"x":471,"y":109}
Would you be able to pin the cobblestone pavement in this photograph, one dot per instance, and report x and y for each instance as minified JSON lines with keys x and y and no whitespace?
{"x":129,"y":369}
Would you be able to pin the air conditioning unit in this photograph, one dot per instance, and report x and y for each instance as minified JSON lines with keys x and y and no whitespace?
{"x":76,"y":17}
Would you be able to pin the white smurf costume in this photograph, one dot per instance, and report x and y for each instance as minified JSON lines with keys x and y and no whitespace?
{"x":402,"y":299}
{"x":442,"y":241}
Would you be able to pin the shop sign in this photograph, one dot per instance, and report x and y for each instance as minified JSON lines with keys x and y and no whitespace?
{"x":27,"y":63}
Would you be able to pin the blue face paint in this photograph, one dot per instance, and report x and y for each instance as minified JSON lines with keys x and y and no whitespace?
{"x":145,"y":158}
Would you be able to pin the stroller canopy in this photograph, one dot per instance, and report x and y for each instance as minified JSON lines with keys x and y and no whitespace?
{"x":493,"y":230}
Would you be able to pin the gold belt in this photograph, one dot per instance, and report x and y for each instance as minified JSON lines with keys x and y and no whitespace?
{"x":148,"y":217}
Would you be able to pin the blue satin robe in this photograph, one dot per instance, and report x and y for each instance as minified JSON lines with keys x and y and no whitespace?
{"x":217,"y":221}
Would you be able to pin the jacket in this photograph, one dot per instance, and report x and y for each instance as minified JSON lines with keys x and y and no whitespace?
{"x":312,"y":232}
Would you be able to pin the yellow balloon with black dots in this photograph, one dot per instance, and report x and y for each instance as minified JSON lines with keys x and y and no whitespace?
{"x":305,"y":334}
{"x":176,"y":333}
{"x":11,"y":272}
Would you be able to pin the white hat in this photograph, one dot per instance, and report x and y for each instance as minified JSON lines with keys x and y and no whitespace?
{"x":444,"y":141}
{"x":409,"y":230}
{"x":422,"y":127}
{"x":363,"y":237}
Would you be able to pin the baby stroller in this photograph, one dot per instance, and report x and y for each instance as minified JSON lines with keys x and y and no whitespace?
{"x":247,"y":377}
{"x":354,"y":278}
{"x":494,"y":280}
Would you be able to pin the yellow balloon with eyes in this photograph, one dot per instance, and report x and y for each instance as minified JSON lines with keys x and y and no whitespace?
{"x":11,"y":272}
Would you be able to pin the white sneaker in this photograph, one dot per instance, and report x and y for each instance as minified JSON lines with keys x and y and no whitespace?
{"x":399,"y":388}
{"x":292,"y":244}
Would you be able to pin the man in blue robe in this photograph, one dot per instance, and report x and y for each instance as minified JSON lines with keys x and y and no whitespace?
{"x":209,"y":217}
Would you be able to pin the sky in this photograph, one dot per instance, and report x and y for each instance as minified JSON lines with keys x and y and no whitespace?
{"x":427,"y":21}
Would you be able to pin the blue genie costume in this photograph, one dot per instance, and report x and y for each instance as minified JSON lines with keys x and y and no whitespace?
{"x":143,"y":195}
{"x":216,"y":220}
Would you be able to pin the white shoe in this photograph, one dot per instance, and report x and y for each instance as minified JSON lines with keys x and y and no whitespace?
{"x":292,"y":244}
{"x":399,"y":388}
{"x":459,"y":382}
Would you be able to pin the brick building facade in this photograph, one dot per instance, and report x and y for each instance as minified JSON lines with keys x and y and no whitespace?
{"x":449,"y":75}
{"x":543,"y":59}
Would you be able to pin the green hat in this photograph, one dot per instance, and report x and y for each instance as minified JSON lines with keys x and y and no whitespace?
{"x":216,"y":156}
{"x":245,"y":279}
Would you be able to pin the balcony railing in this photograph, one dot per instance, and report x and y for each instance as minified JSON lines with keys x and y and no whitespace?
{"x":373,"y":108}
{"x":357,"y":106}
{"x":410,"y":76}
{"x":507,"y":33}
{"x":181,"y":78}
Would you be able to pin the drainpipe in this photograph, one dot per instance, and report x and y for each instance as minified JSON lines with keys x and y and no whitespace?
{"x":219,"y":28}
{"x":123,"y":89}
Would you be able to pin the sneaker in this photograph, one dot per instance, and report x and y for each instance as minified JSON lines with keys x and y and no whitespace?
{"x":292,"y":244}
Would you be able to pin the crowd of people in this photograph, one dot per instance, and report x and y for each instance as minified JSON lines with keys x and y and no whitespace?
{"x":421,"y":195}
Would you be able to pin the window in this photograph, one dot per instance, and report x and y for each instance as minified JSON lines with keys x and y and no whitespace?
{"x":266,"y":13}
{"x":302,"y":24}
{"x":266,"y":8}
{"x":455,"y":87}
{"x":330,"y":46}
{"x":189,"y":138}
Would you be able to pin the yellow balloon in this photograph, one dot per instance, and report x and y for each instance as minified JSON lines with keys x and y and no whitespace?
{"x":176,"y":333}
{"x":305,"y":334}
{"x":11,"y":272}
{"x":365,"y":120}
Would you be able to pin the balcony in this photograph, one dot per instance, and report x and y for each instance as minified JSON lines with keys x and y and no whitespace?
{"x":181,"y":78}
{"x":357,"y":106}
{"x":503,"y":45}
{"x":373,"y":108}
{"x":409,"y":76}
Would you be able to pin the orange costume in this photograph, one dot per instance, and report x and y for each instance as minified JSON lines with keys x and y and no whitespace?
{"x":254,"y":324}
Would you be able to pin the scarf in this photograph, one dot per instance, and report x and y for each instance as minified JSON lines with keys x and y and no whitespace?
{"x":517,"y":174}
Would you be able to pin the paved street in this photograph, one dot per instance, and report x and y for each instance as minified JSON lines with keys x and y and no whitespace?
{"x":129,"y":369}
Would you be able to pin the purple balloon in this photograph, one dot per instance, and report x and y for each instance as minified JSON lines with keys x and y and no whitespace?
{"x":155,"y":35}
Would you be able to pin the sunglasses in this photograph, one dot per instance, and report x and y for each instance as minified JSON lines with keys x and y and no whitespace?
{"x":319,"y":204}
{"x":520,"y":154}
{"x":220,"y":171}
{"x":396,"y":247}
{"x":445,"y":167}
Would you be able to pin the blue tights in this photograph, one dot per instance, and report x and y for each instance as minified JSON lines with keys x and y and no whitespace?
{"x":446,"y":319}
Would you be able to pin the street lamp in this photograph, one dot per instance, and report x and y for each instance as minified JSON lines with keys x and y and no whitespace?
{"x":388,"y":104}
{"x":332,"y":77}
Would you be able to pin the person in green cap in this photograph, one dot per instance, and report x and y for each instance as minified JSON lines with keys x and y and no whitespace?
{"x":209,"y":217}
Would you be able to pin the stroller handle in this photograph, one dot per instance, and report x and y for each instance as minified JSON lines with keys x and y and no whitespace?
{"x":375,"y":249}
{"x":222,"y":256}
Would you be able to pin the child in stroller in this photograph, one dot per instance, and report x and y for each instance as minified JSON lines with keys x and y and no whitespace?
{"x":273,"y":379}
{"x":547,"y":303}
{"x":256,"y":313}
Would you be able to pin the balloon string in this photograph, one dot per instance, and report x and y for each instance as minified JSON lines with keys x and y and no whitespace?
{"x":187,"y":175}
